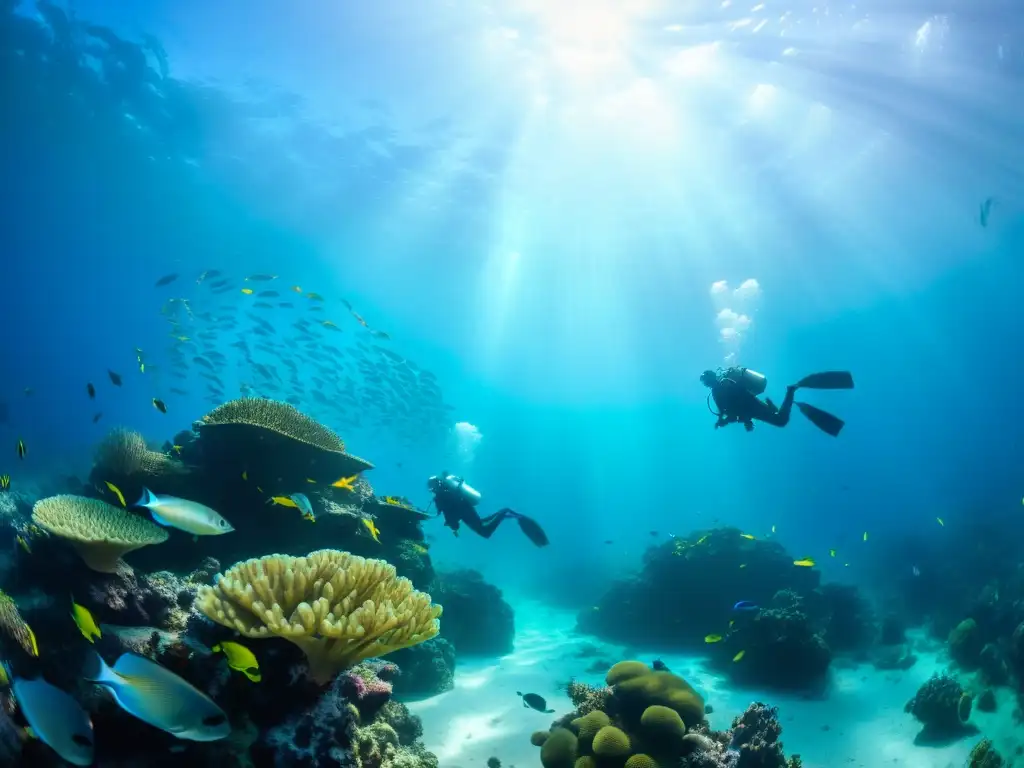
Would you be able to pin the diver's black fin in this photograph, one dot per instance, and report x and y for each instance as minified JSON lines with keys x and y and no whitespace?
{"x":823,"y":420}
{"x":827,"y":380}
{"x":533,"y":531}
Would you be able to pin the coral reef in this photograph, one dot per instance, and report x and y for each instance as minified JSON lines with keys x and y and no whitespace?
{"x":965,"y":644}
{"x":477,"y":620}
{"x":943,"y":708}
{"x":780,"y":646}
{"x":336,"y":607}
{"x":849,"y":621}
{"x":642,"y":611}
{"x":984,"y":755}
{"x":646,"y":718}
{"x":427,"y":668}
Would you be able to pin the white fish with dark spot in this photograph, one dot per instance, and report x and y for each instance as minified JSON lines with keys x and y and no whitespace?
{"x":157,"y":696}
{"x":56,"y":719}
{"x":189,"y":516}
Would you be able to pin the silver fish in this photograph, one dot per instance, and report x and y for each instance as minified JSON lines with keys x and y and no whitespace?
{"x":157,"y":696}
{"x":56,"y":719}
{"x":189,"y":516}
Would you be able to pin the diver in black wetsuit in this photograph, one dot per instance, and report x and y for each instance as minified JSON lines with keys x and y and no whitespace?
{"x":735,"y":392}
{"x":457,"y":502}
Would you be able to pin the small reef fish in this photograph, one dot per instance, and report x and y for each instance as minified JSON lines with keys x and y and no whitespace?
{"x":345,"y":482}
{"x":712,"y":638}
{"x":157,"y":696}
{"x":535,"y":701}
{"x":5,"y":482}
{"x":21,"y":449}
{"x":773,"y":529}
{"x":314,"y":296}
{"x":261,"y":278}
{"x":55,"y":718}
{"x":247,"y":291}
{"x":747,"y":536}
{"x":311,"y":481}
{"x":395,"y":501}
{"x":166,"y":280}
{"x":985,"y":210}
{"x":117,"y":492}
{"x":23,"y":544}
{"x":303,"y":505}
{"x":159,"y":405}
{"x":297,"y":289}
{"x":372,"y":529}
{"x":283,"y":501}
{"x":807,"y":562}
{"x":176,"y":449}
{"x":115,"y":378}
{"x":245,"y":474}
{"x":865,"y":535}
{"x":90,"y":390}
{"x":97,"y":416}
{"x":189,"y":516}
{"x":746,"y":605}
{"x":660,"y":666}
{"x":85,"y":622}
{"x":832,"y":553}
{"x":739,"y":656}
{"x":940,"y":521}
{"x":240,"y":659}
{"x":421,"y":549}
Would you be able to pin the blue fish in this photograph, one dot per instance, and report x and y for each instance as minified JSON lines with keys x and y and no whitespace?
{"x":56,"y":719}
{"x":159,"y":697}
{"x":746,"y":605}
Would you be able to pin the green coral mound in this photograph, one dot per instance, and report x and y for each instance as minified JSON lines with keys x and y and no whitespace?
{"x":641,"y":761}
{"x":559,"y":750}
{"x":611,"y":742}
{"x":588,"y":725}
{"x":639,"y":692}
{"x":663,"y":722}
{"x":626,"y":670}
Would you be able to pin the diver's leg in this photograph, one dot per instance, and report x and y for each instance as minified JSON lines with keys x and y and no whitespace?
{"x":486,"y":526}
{"x":780,"y":417}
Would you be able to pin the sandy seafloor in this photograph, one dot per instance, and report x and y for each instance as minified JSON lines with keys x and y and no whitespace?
{"x":860,"y":723}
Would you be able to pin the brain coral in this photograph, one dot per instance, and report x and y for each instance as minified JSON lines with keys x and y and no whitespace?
{"x":662,"y":688}
{"x":611,"y":742}
{"x":641,"y":761}
{"x":626,"y":670}
{"x":339,"y":608}
{"x":99,"y":532}
{"x":663,"y":721}
{"x":559,"y":750}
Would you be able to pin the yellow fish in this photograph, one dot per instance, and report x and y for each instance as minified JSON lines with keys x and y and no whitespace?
{"x":807,"y":562}
{"x":865,"y":535}
{"x":394,"y":500}
{"x":240,"y":659}
{"x":245,"y":474}
{"x":314,"y":296}
{"x":297,"y":289}
{"x":311,"y":480}
{"x":940,"y":521}
{"x":284,"y":501}
{"x":739,"y":656}
{"x":4,"y":679}
{"x":731,"y":622}
{"x":746,"y":536}
{"x":86,"y":623}
{"x":832,"y":553}
{"x":420,"y":548}
{"x":703,"y":538}
{"x":345,"y":482}
{"x":23,"y":544}
{"x":117,"y":492}
{"x":328,"y":324}
{"x":21,"y":449}
{"x":182,"y":338}
{"x":247,"y":291}
{"x":176,"y":449}
{"x":372,"y":529}
{"x":712,"y":638}
{"x":5,"y":482}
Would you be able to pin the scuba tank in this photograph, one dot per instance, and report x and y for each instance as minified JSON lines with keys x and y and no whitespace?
{"x":458,"y":486}
{"x":755,"y":383}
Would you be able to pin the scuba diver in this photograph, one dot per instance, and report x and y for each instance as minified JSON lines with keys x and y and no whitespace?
{"x":457,"y":502}
{"x":735,"y":392}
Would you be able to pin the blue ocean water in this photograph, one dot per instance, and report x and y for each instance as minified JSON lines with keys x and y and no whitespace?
{"x":563,"y":214}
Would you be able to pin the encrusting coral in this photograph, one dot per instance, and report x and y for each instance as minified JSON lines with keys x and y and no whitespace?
{"x":338,"y":608}
{"x":99,"y":532}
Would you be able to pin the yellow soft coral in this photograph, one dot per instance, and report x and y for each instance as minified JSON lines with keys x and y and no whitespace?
{"x":99,"y":532}
{"x":338,"y":608}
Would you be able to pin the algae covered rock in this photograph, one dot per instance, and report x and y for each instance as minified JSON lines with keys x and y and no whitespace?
{"x":477,"y":619}
{"x":965,"y":644}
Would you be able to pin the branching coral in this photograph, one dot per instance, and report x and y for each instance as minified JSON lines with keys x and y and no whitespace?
{"x":99,"y":532}
{"x":123,"y":453}
{"x":338,"y":608}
